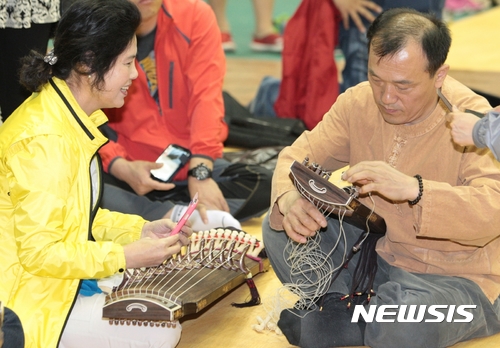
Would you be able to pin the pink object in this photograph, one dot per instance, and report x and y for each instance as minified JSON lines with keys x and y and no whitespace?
{"x":457,"y":5}
{"x":191,"y":207}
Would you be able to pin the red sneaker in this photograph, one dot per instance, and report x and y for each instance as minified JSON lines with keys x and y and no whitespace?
{"x":228,"y":44}
{"x":269,"y":43}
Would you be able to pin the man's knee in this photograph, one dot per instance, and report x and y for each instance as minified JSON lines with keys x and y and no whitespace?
{"x":399,"y":317}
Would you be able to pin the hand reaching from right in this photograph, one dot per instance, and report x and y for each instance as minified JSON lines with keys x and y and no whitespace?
{"x":462,"y":124}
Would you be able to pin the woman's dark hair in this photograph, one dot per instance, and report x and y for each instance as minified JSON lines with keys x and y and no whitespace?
{"x":390,"y":31}
{"x":88,"y":39}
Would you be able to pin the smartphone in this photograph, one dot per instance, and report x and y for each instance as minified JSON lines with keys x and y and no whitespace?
{"x":174,"y":157}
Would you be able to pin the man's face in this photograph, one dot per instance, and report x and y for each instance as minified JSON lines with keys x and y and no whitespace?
{"x":148,"y":8}
{"x":402,"y":88}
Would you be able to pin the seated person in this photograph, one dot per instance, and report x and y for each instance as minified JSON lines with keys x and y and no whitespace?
{"x":177,"y":99}
{"x":440,"y":201}
{"x":56,"y":241}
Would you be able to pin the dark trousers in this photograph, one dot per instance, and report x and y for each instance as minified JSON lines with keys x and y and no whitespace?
{"x":393,"y":287}
{"x":247,"y":189}
{"x":13,"y":334}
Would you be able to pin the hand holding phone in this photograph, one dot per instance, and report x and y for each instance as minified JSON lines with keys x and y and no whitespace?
{"x":174,"y":157}
{"x":191,"y":207}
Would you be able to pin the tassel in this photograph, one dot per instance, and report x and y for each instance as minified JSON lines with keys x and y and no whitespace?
{"x":255,"y":300}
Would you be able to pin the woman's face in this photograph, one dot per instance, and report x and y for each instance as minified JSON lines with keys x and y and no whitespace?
{"x":118,"y":79}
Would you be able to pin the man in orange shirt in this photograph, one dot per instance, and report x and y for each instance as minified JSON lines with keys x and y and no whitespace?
{"x":177,"y":99}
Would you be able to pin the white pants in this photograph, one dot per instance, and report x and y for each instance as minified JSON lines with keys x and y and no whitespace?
{"x":86,"y":328}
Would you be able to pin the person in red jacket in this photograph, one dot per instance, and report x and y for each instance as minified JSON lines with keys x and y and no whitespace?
{"x":177,"y":99}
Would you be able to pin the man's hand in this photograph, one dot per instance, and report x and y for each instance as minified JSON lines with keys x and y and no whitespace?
{"x":380,"y":177}
{"x":210,"y":196}
{"x":301,"y":218}
{"x":356,"y":9}
{"x":138,"y":175}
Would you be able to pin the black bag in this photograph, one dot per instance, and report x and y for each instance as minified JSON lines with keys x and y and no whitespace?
{"x":263,"y":156}
{"x":248,"y":131}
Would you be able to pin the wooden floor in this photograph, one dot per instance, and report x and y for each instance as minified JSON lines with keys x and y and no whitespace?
{"x":472,"y":61}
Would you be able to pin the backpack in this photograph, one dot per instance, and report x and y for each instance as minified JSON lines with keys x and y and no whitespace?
{"x":249,"y":131}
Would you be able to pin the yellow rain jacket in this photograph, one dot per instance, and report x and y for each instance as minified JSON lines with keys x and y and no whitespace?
{"x":52,"y":232}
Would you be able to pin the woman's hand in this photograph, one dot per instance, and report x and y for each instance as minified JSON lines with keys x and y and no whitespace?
{"x":156,"y":244}
{"x":162,"y":228}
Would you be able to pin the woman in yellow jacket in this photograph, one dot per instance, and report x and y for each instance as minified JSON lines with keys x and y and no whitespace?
{"x":54,"y":236}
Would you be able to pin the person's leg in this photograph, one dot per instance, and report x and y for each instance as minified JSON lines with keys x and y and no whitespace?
{"x":404,"y":288}
{"x":246,"y":187}
{"x":265,"y":37}
{"x":283,"y":253}
{"x":17,"y":43}
{"x":434,"y":6}
{"x":315,"y":268}
{"x":263,"y":11}
{"x":118,"y":199}
{"x":13,"y":334}
{"x":219,"y":8}
{"x":87,"y":328}
{"x":353,"y":44}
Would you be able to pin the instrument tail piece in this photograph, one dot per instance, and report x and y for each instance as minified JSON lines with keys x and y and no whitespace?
{"x":255,"y":297}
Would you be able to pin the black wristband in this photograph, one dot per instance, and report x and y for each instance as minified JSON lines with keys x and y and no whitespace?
{"x":420,"y":190}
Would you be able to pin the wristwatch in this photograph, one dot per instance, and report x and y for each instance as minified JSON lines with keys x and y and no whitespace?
{"x":200,"y":172}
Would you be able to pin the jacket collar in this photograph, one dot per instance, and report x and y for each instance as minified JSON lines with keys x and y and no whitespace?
{"x":89,"y":124}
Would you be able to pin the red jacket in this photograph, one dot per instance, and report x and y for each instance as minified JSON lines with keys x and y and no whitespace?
{"x":190,"y":66}
{"x":309,"y":84}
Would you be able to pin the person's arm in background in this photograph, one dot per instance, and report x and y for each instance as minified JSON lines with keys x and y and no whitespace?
{"x":355,"y":10}
{"x":112,"y":149}
{"x":135,"y":173}
{"x":205,"y":68}
{"x":467,"y":129}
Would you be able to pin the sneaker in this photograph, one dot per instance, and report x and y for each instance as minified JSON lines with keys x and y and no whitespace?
{"x":228,"y":44}
{"x":269,"y":43}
